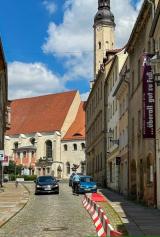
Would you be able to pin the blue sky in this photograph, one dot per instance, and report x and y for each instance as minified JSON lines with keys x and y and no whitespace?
{"x":48,"y":44}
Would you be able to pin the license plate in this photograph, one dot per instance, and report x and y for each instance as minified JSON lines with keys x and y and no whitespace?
{"x":87,"y":189}
{"x":47,"y":189}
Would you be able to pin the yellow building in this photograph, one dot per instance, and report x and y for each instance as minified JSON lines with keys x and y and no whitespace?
{"x":111,"y":114}
{"x":121,"y":94}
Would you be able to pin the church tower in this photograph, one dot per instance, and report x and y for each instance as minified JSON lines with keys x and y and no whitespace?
{"x":103,"y":33}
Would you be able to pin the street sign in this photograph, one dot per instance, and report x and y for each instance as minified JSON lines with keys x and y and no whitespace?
{"x":1,"y":155}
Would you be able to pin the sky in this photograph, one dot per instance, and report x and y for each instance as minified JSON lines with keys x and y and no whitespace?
{"x":48,"y":44}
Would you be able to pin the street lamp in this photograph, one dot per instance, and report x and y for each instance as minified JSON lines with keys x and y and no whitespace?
{"x":155,"y":61}
{"x":111,"y":137}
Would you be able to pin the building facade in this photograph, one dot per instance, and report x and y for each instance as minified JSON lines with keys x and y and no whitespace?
{"x":142,"y":160}
{"x":121,"y":94}
{"x":4,"y":106}
{"x":112,"y":121}
{"x":155,"y":38}
{"x":36,"y":137}
{"x":95,"y":125}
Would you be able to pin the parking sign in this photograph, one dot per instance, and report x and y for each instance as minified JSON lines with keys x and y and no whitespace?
{"x":1,"y":155}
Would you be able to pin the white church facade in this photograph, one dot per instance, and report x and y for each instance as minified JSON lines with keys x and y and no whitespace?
{"x":47,"y":134}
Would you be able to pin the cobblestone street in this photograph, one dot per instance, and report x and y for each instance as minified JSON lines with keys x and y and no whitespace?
{"x":51,"y":215}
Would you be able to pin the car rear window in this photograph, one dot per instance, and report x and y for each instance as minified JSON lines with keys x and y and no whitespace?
{"x":86,"y":179}
{"x":45,"y":178}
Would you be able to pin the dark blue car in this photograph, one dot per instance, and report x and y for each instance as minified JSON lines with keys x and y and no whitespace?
{"x":87,"y":185}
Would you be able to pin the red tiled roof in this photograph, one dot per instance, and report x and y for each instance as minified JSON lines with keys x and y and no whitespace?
{"x":40,"y":114}
{"x":77,"y":129}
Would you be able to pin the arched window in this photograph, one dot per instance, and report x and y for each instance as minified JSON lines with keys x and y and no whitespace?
{"x":68,"y":168}
{"x":83,"y":146}
{"x":75,"y":147}
{"x":32,"y":140}
{"x":65,"y":147}
{"x":48,"y":149}
{"x":16,"y":145}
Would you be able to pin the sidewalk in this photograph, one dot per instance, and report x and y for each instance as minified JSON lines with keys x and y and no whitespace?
{"x":138,"y":220}
{"x":12,"y":200}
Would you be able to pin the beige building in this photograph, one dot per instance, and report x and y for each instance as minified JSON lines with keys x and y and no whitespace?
{"x":142,"y":162}
{"x":111,"y":113}
{"x":121,"y":94}
{"x":95,"y":126}
{"x":47,"y":134}
{"x":4,"y":111}
{"x":155,"y":37}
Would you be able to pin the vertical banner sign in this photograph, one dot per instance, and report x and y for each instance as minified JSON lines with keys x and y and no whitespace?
{"x":148,"y":99}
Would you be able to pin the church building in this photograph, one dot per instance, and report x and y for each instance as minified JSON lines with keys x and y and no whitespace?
{"x":47,"y":134}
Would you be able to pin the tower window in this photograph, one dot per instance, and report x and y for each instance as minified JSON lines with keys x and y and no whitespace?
{"x":99,"y":45}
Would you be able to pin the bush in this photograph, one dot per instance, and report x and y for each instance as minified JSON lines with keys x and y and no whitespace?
{"x":26,"y":177}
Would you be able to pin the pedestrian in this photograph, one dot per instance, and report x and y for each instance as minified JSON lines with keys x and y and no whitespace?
{"x":76,"y":181}
{"x":16,"y":183}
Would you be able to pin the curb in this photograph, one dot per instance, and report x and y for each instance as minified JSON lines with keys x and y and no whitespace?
{"x":101,"y":222}
{"x":23,"y":203}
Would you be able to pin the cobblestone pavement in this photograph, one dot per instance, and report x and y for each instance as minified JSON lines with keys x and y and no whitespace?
{"x":138,"y":220}
{"x":51,"y":216}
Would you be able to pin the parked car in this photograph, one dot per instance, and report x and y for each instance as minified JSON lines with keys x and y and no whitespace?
{"x":46,"y":184}
{"x":87,"y":185}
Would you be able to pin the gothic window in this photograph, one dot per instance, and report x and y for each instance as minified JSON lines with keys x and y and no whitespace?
{"x":48,"y":149}
{"x":75,"y":147}
{"x":99,"y":45}
{"x":65,"y":147}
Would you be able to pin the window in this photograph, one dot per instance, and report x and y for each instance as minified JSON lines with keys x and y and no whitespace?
{"x":68,"y":168}
{"x":48,"y":149}
{"x":65,"y":147}
{"x":16,"y":145}
{"x":99,"y":45}
{"x":139,"y":70}
{"x":32,"y":154}
{"x":48,"y":170}
{"x":132,"y":89}
{"x":24,"y":154}
{"x":32,"y":140}
{"x":18,"y":154}
{"x":83,"y":146}
{"x":110,"y":171}
{"x":75,"y":147}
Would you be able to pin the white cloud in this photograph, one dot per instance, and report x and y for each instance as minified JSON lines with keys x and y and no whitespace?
{"x":31,"y":79}
{"x":84,"y":96}
{"x":72,"y":40}
{"x":50,"y":6}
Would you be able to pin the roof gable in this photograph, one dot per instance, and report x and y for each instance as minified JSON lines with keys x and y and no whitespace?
{"x":40,"y":114}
